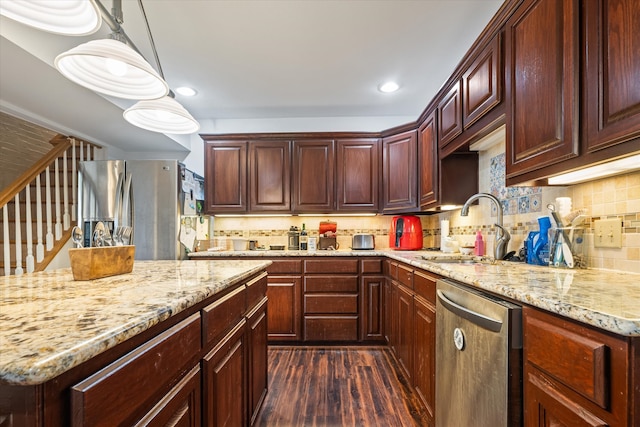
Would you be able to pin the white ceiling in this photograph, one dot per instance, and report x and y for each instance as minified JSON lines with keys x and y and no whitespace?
{"x":284,"y":64}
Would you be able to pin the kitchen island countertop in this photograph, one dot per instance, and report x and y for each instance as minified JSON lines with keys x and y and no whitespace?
{"x":50,"y":323}
{"x":609,"y":300}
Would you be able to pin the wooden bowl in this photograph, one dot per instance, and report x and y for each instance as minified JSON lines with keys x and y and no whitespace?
{"x":95,"y":263}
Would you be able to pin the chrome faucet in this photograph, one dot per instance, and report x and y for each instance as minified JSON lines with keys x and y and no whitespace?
{"x":502,"y":235}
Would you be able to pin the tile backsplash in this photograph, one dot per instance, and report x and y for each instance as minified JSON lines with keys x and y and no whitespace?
{"x":610,"y":197}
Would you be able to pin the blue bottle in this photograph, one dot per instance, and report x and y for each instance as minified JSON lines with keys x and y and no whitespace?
{"x":541,"y":244}
{"x":531,"y":238}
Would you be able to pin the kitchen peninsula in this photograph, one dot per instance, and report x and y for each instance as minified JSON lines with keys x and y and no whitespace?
{"x":128,"y":348}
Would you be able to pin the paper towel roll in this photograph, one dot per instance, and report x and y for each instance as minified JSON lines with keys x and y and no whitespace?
{"x":444,"y":233}
{"x":444,"y":228}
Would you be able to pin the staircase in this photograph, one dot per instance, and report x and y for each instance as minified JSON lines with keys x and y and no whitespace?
{"x":38,"y":210}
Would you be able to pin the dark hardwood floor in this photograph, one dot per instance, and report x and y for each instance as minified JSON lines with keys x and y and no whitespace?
{"x":337,"y":386}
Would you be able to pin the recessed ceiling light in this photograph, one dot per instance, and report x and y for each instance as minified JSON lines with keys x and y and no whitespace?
{"x":186,"y":91}
{"x":388,"y":87}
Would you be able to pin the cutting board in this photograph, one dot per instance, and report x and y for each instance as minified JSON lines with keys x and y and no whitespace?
{"x":95,"y":263}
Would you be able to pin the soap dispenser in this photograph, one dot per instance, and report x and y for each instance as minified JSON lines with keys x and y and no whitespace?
{"x":478,"y":249}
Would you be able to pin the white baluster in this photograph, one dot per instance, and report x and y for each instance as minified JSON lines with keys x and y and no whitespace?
{"x":56,"y":189}
{"x":30,"y":262}
{"x":81,"y":150}
{"x":66,"y":218}
{"x":7,"y":242}
{"x":18,"y":240}
{"x":39,"y":245}
{"x":74,"y":189}
{"x":49,"y":236}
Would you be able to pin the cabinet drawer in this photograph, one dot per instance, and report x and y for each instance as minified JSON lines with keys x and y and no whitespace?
{"x":256,"y":290}
{"x":425,"y":285}
{"x":331,"y":284}
{"x":371,"y":266}
{"x":405,"y":276}
{"x":334,"y":328}
{"x":331,"y":304}
{"x":330,"y":266}
{"x":289,"y":266}
{"x":101,"y":399}
{"x":218,"y":317}
{"x":571,"y":357}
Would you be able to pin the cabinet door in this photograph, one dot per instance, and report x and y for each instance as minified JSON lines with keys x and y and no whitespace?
{"x":313,"y":172}
{"x":180,"y":407}
{"x":269,"y":176}
{"x":257,"y":358}
{"x":388,"y":311}
{"x":224,"y":400}
{"x":284,"y":314}
{"x":541,"y":41}
{"x":405,"y":330}
{"x":399,"y":177}
{"x":612,"y":82}
{"x":372,"y":308}
{"x":482,"y":83}
{"x":450,"y":114}
{"x":424,"y":380}
{"x":357,"y":174}
{"x":225,"y":175}
{"x":547,"y":406}
{"x":428,"y":161}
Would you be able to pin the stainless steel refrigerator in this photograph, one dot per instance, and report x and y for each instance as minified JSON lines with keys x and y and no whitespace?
{"x":149,"y":195}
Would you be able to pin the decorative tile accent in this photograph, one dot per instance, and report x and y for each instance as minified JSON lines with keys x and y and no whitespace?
{"x":515,"y":200}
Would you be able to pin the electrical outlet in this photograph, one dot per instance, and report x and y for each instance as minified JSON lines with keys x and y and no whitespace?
{"x":607,"y":233}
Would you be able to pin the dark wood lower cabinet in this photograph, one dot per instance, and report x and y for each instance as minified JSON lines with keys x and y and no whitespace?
{"x":405,"y":341}
{"x":424,"y":355}
{"x":257,"y":358}
{"x":180,"y":407}
{"x":372,"y":295}
{"x":225,"y":381}
{"x":575,"y":375}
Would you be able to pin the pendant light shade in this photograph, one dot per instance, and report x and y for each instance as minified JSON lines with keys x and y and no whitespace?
{"x":112,"y":68}
{"x":68,"y":17}
{"x":164,"y":115}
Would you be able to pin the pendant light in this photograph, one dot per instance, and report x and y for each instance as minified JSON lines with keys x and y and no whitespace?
{"x":112,"y":68}
{"x":165,"y":115}
{"x":67,"y":17}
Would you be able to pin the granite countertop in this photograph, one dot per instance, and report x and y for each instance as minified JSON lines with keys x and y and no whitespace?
{"x":609,"y":300}
{"x":50,"y":323}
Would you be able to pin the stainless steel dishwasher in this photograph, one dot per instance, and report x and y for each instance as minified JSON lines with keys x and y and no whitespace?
{"x":478,"y":358}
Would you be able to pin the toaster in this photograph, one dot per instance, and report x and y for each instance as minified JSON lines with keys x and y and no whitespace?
{"x":363,"y":241}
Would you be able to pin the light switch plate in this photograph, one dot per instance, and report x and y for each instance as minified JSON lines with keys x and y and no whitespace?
{"x":607,"y":233}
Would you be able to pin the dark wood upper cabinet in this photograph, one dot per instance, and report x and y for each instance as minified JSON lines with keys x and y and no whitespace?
{"x":399,"y":176}
{"x":357,"y":162}
{"x":225,"y":170}
{"x":482,"y":83}
{"x":428,"y":161}
{"x":612,"y":65}
{"x":450,"y":114}
{"x":313,"y":172}
{"x":541,"y":79}
{"x":269,"y":176}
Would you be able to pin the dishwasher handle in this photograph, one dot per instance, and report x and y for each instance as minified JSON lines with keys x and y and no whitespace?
{"x":472,"y":316}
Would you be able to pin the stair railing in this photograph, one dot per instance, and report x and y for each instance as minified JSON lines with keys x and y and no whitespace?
{"x":64,"y":208}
